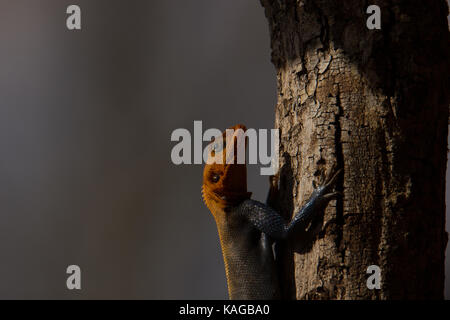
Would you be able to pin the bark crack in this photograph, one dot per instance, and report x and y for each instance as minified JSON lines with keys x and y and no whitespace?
{"x":340,"y":182}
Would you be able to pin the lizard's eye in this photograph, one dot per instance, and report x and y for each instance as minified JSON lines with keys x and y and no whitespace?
{"x":215,"y":178}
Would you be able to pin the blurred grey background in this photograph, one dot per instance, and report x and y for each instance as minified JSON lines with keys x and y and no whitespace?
{"x":85,"y":124}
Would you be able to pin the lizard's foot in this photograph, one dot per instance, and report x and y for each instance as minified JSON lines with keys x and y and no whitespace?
{"x":327,"y":184}
{"x":312,"y":213}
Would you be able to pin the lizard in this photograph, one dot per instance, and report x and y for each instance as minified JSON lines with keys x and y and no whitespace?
{"x":248,"y":228}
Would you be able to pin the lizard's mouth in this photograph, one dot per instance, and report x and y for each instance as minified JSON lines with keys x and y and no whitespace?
{"x":224,"y":197}
{"x":207,"y":192}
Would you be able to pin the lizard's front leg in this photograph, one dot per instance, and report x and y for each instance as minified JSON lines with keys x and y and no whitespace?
{"x":267,"y":220}
{"x":318,"y":200}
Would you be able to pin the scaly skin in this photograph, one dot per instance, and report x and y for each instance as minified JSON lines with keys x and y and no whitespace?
{"x":248,"y":228}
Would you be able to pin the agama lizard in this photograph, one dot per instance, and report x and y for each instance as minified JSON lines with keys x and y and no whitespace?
{"x":248,"y":228}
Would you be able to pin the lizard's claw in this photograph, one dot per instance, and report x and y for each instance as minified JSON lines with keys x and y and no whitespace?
{"x":328,"y":183}
{"x":326,"y":191}
{"x":331,"y":196}
{"x":331,"y":179}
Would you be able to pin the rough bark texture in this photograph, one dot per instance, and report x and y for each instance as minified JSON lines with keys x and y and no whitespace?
{"x":376,"y":103}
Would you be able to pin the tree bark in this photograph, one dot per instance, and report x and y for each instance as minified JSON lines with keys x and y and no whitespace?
{"x":374,"y":102}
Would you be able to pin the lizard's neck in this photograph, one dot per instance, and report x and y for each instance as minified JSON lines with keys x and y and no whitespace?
{"x":227,"y":227}
{"x":248,"y":266}
{"x":227,"y":223}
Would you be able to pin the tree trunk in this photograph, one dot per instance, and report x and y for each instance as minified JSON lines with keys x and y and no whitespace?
{"x":374,"y":102}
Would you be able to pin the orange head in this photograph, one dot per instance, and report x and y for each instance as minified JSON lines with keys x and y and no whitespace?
{"x":225,"y":173}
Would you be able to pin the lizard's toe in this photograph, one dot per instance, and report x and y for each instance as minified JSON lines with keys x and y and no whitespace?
{"x":331,"y":180}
